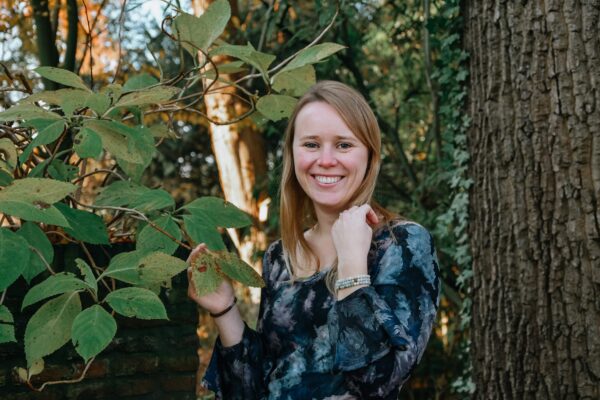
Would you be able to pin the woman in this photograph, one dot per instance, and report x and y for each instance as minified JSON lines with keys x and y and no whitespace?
{"x":349,"y":303}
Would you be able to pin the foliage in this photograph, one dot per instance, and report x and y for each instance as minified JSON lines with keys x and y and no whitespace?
{"x":49,"y":140}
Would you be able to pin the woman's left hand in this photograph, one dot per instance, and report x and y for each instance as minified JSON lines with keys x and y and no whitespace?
{"x":352,"y":235}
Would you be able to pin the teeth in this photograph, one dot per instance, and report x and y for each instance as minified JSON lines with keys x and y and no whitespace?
{"x":328,"y":179}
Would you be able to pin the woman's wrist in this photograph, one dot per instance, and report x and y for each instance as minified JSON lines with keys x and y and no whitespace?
{"x":224,"y":310}
{"x":230,"y":327}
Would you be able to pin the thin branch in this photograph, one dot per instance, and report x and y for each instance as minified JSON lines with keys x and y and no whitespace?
{"x":98,"y":171}
{"x":93,"y":264}
{"x":81,"y":377}
{"x":120,"y":39}
{"x":89,"y":43}
{"x":48,"y":267}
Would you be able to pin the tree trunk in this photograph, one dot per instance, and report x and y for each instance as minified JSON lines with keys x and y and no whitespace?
{"x":534,"y":99}
{"x":239,"y":151}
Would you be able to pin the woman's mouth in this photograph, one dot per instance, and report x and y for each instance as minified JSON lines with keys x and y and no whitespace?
{"x":327,"y":180}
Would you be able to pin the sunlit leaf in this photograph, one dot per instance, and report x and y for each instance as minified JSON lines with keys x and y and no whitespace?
{"x":37,"y":239}
{"x":142,"y":268}
{"x":152,"y":200}
{"x":27,"y":112}
{"x":50,"y":327}
{"x":7,"y":327}
{"x":137,"y":302}
{"x":116,"y":139}
{"x":235,"y":268}
{"x":120,"y":193}
{"x":155,"y":95}
{"x":276,"y":107}
{"x":98,"y":102}
{"x":200,"y":32}
{"x":295,"y":82}
{"x":205,"y":275}
{"x":93,"y":329}
{"x":219,"y":212}
{"x":59,"y":283}
{"x":138,"y":82}
{"x":8,"y":154}
{"x":248,"y":54}
{"x":313,"y":55}
{"x":62,"y":76}
{"x":32,"y":199}
{"x":14,"y":256}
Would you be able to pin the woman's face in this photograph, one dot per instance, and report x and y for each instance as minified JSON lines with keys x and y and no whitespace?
{"x":329,"y":160}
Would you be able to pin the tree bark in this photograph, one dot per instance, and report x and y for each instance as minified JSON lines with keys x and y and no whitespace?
{"x":239,"y":151}
{"x":534,"y":99}
{"x":45,"y":38}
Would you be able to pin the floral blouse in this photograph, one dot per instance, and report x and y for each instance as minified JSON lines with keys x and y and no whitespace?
{"x":309,"y":346}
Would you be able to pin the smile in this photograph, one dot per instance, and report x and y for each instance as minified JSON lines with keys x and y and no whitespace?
{"x":327,"y":179}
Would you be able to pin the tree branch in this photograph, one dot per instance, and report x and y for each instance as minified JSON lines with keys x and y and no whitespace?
{"x":73,"y":20}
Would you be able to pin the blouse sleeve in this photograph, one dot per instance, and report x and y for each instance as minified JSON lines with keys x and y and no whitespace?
{"x":239,"y":371}
{"x":380,"y":332}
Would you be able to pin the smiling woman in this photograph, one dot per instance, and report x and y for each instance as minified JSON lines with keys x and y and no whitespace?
{"x":351,"y":289}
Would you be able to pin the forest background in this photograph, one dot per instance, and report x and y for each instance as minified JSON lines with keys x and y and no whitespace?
{"x":411,"y":61}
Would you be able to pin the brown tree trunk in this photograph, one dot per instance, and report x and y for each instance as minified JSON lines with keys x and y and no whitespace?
{"x":239,"y":151}
{"x":534,"y":99}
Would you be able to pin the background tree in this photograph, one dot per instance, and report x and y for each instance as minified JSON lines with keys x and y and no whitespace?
{"x":534,"y":94}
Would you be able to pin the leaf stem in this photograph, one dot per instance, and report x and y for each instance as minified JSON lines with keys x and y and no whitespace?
{"x":81,"y":377}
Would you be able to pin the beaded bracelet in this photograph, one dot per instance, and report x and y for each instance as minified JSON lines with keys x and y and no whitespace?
{"x":225,"y":311}
{"x":352,"y":281}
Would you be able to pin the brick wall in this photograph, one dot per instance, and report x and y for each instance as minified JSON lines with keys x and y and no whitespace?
{"x":146,"y":360}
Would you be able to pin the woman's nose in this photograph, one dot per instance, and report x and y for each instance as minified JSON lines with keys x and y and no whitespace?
{"x":327,"y":158}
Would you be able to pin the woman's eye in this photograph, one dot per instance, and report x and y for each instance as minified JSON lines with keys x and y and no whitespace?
{"x":345,"y":146}
{"x":310,"y":145}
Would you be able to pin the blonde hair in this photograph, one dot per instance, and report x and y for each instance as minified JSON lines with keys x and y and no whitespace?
{"x":296,"y":209}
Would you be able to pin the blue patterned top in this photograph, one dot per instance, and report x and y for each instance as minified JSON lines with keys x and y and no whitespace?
{"x":309,"y":346}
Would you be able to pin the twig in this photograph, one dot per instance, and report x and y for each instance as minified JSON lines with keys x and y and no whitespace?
{"x":59,"y":233}
{"x":81,"y":377}
{"x":120,"y":39}
{"x":3,"y":295}
{"x":93,"y":264}
{"x":98,"y":171}
{"x":263,"y":35}
{"x":139,"y":215}
{"x":89,"y":34}
{"x":43,"y":259}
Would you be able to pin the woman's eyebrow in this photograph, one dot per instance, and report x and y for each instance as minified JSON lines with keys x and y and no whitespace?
{"x":337,"y":137}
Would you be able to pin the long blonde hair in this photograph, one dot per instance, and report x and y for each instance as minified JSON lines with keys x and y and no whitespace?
{"x":296,"y":209}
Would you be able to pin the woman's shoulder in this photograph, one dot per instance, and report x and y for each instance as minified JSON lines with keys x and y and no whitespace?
{"x":404,"y":247}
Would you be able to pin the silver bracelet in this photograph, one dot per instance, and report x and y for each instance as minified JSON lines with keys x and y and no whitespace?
{"x":352,"y":281}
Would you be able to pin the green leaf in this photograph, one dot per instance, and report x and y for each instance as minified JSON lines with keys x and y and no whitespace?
{"x":14,"y":255}
{"x":62,"y":171}
{"x":27,"y":112}
{"x":276,"y":107}
{"x":155,"y":95}
{"x":150,"y":239}
{"x":112,"y":92}
{"x":152,"y":200}
{"x":7,"y":327}
{"x":87,"y":144}
{"x":219,"y":212}
{"x":235,"y":268}
{"x":200,"y":32}
{"x":50,"y":327}
{"x":225,"y":69}
{"x":141,"y":141}
{"x":202,"y":230}
{"x":45,"y":136}
{"x":55,"y":284}
{"x":248,"y":54}
{"x":84,"y":226}
{"x":115,"y":138}
{"x":69,"y":100}
{"x":93,"y":329}
{"x":32,"y":199}
{"x":141,"y":268}
{"x":5,"y":177}
{"x":120,"y":193}
{"x":313,"y":55}
{"x":88,"y":274}
{"x":140,"y":81}
{"x":37,"y":239}
{"x":98,"y":102}
{"x":137,"y":302}
{"x":295,"y":82}
{"x":62,"y":76}
{"x":205,"y":275}
{"x":8,"y":154}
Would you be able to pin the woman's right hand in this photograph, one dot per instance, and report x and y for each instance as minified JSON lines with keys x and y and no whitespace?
{"x":213,"y":302}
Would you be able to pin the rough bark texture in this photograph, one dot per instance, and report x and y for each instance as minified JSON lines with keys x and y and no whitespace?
{"x":535,"y":233}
